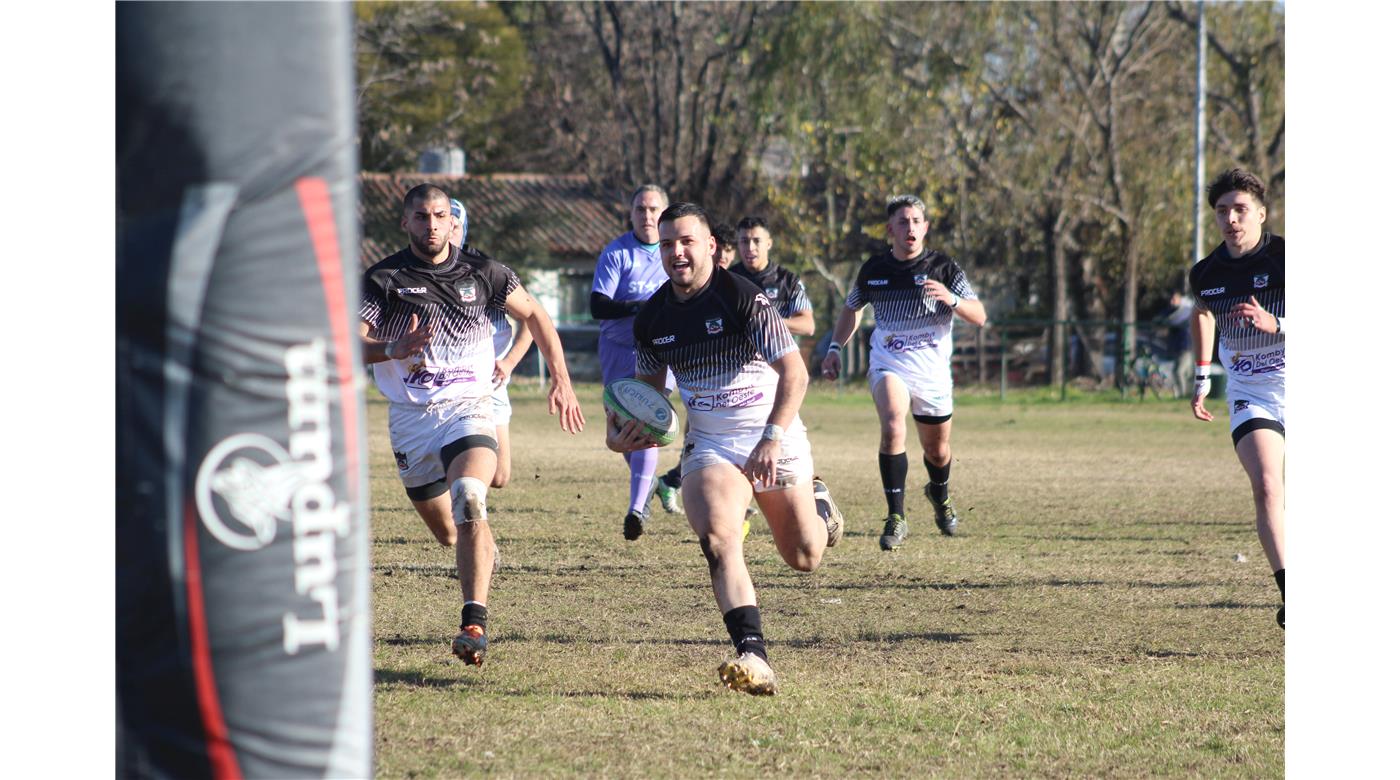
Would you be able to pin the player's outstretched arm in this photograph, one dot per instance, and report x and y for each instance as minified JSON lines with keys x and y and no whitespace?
{"x":523,"y":306}
{"x":410,"y":343}
{"x":1203,"y":338}
{"x":840,"y":334}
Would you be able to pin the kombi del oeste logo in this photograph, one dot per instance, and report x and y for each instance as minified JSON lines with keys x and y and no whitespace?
{"x":249,"y":483}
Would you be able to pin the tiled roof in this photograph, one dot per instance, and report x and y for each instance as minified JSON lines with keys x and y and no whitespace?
{"x":548,"y":219}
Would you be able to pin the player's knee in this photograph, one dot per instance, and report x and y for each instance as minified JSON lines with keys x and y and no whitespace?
{"x":708,"y":550}
{"x":717,"y":548}
{"x":447,"y":537}
{"x":805,"y":558}
{"x":468,"y":501}
{"x":1268,"y":488}
{"x":891,"y":437}
{"x":501,"y":478}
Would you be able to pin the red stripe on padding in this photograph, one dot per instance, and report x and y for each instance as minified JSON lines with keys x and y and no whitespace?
{"x":222,"y":761}
{"x":320,"y":222}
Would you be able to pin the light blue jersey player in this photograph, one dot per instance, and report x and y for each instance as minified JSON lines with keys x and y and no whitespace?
{"x":629,"y":270}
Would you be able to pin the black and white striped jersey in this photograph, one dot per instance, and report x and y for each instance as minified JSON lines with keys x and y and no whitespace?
{"x":1220,"y":282}
{"x":453,"y":298}
{"x":719,"y":344}
{"x":783,"y":287}
{"x":913,"y":331}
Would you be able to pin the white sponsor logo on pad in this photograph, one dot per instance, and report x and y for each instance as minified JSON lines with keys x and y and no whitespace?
{"x":248,"y":482}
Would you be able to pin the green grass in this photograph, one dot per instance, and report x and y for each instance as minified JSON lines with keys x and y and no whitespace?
{"x":1090,"y":620}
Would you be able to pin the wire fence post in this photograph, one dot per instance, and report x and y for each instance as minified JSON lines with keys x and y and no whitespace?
{"x":1002,"y":334}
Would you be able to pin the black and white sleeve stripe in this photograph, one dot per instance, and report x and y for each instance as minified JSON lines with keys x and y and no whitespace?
{"x":770,"y":336}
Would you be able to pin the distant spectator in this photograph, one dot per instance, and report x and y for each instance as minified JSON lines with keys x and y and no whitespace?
{"x":1178,"y":319}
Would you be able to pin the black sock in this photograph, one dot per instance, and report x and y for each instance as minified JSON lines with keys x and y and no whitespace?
{"x":1278,"y":577}
{"x":938,"y":476}
{"x":473,"y":614}
{"x":893,"y":471}
{"x":672,"y":478}
{"x":745,"y":631}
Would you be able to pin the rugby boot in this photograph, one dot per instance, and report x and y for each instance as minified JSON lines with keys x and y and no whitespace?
{"x":635,"y":523}
{"x":827,"y":511}
{"x":670,"y":495}
{"x":470,"y":645}
{"x":895,"y":531}
{"x":747,"y":525}
{"x":750,"y":674}
{"x":943,"y":515}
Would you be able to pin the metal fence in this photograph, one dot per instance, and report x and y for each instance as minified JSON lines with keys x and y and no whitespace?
{"x":1006,"y":354}
{"x":1134,"y":357}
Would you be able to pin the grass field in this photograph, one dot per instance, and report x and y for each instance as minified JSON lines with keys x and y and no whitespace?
{"x":1090,"y":620}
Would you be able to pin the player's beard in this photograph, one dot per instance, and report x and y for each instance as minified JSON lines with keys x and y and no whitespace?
{"x":422,"y":245}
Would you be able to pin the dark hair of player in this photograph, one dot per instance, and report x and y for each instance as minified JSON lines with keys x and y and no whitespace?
{"x":675,"y":211}
{"x":725,"y":236}
{"x":1233,"y":180}
{"x":901,"y":201}
{"x":749,"y":223}
{"x":422,"y":193}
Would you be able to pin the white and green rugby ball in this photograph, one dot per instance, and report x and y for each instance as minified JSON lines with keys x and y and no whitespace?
{"x":633,"y":399}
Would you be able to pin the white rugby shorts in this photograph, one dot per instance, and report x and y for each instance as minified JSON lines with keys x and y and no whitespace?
{"x":418,"y":434}
{"x":1254,"y":402}
{"x":709,"y":449}
{"x":930,"y":396}
{"x":500,"y":404}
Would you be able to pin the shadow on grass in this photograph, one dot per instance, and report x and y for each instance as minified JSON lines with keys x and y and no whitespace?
{"x":1171,"y":654}
{"x":388,"y":677}
{"x":873,"y":638}
{"x":1227,"y":605}
{"x":565,"y":640}
{"x":420,"y":680}
{"x":444,"y":570}
{"x":916,"y":585}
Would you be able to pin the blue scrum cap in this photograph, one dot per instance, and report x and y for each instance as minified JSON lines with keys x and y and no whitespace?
{"x":460,"y":212}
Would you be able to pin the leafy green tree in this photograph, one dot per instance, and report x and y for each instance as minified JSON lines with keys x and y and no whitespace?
{"x":435,"y":74}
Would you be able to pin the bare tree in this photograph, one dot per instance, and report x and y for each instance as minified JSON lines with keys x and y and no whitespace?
{"x":654,"y":92}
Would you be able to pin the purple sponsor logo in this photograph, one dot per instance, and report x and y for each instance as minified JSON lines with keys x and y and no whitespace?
{"x":729,"y":399}
{"x":428,"y":377}
{"x":1254,"y":365}
{"x":907,"y":342}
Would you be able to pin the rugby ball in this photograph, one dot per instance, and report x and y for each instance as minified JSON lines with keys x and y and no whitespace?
{"x":633,"y":399}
